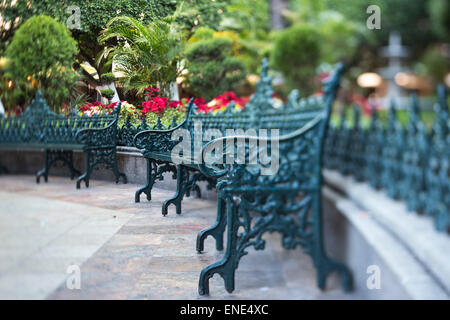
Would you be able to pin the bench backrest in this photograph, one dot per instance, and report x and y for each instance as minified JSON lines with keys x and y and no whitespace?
{"x":292,"y":119}
{"x":39,"y":125}
{"x":296,"y":167}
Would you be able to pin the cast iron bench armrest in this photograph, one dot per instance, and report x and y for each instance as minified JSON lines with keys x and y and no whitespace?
{"x":216,"y":172}
{"x":98,"y":137}
{"x":159,"y":140}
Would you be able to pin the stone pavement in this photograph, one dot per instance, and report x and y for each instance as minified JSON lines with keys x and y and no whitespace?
{"x":128,"y":250}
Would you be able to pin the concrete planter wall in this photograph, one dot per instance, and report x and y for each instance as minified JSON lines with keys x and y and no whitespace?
{"x":130,"y":161}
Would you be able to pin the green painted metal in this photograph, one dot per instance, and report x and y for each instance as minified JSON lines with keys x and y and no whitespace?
{"x":409,"y":162}
{"x":251,"y":204}
{"x":59,"y":135}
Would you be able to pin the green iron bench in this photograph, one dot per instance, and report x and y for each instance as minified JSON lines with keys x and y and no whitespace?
{"x":157,"y":144}
{"x":58,"y":135}
{"x":249,"y":203}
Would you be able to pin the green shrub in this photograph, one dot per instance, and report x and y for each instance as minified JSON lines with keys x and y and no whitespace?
{"x":146,"y":54}
{"x":107,"y":93}
{"x":166,"y":118}
{"x":107,"y":78}
{"x":440,"y":18}
{"x":212,"y":69}
{"x":202,"y":33}
{"x":296,"y":54}
{"x":435,"y":63}
{"x":42,"y":55}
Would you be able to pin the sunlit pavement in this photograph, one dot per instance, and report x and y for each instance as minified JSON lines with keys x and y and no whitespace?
{"x":128,"y":250}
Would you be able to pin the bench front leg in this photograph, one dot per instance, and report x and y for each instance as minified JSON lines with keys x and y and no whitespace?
{"x":217,"y":230}
{"x":51,"y":157}
{"x":324,"y":264}
{"x":87,"y":174}
{"x":147,"y":189}
{"x":115,"y":168}
{"x":182,"y":181}
{"x":227,"y":266}
{"x":44,"y":171}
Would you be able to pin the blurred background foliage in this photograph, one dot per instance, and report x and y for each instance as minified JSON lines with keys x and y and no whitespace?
{"x":316,"y":34}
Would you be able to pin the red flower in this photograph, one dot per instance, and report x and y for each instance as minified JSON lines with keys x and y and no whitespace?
{"x":202,"y":105}
{"x":151,"y":91}
{"x":174,"y":104}
{"x":110,"y":107}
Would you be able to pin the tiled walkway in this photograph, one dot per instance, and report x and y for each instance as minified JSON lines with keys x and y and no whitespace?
{"x":127,"y":250}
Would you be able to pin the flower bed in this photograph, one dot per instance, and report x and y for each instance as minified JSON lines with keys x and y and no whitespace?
{"x":155,"y":106}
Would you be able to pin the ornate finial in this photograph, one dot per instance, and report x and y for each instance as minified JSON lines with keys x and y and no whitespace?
{"x":415,"y":117}
{"x":174,"y":122}
{"x":332,"y":84}
{"x":440,"y":126}
{"x":38,"y":95}
{"x":159,"y":125}
{"x":356,"y":115}
{"x":230,"y":108}
{"x":392,"y":117}
{"x":143,"y":125}
{"x":293,"y":98}
{"x":262,"y":98}
{"x":393,"y":109}
{"x":373,"y":112}
{"x":191,"y":107}
{"x":342,"y":115}
{"x":265,"y":81}
{"x":442,"y":98}
{"x":73,"y":112}
{"x":128,"y":122}
{"x":117,"y":108}
{"x":264,"y":67}
{"x":38,"y":105}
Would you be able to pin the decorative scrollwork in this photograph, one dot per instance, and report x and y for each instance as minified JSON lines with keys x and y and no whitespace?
{"x":410,"y":162}
{"x":38,"y":127}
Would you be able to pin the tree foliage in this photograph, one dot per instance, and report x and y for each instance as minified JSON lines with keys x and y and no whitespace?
{"x":42,"y":54}
{"x":296,"y":54}
{"x":95,"y":15}
{"x":410,"y":18}
{"x":212,"y":69}
{"x":440,"y":18}
{"x":146,"y":55}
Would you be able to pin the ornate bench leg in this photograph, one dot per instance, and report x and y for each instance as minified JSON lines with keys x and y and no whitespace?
{"x":182,"y":177}
{"x":85,"y":176}
{"x":119,"y":175}
{"x":73,"y":172}
{"x":216,"y":230}
{"x":194,"y":187}
{"x":227,"y":266}
{"x":51,"y":157}
{"x":324,"y":264}
{"x":44,"y":171}
{"x":115,"y":169}
{"x":147,"y":189}
{"x":191,"y":183}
